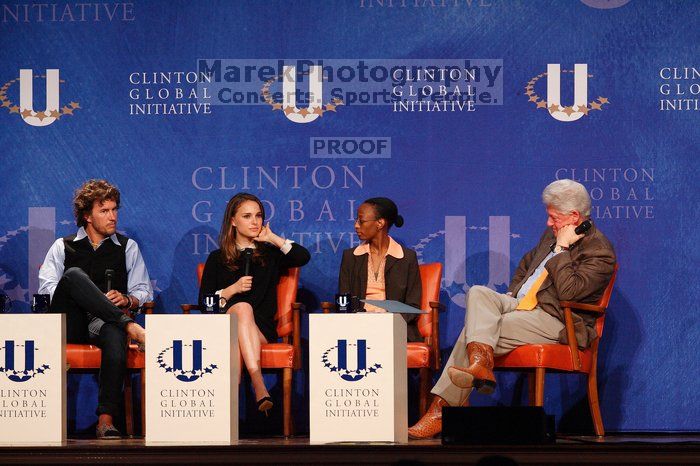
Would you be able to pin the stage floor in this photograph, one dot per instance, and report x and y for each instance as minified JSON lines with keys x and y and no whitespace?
{"x":614,"y":449}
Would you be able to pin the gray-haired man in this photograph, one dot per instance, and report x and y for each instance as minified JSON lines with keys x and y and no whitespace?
{"x":564,"y":266}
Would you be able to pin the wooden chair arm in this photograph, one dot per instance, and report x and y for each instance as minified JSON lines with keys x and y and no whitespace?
{"x":296,"y":336}
{"x":435,"y":305}
{"x":592,"y":308}
{"x":187,"y":308}
{"x":571,"y":338}
{"x":327,"y":307}
{"x":567,"y":306}
{"x":435,"y":308}
{"x":434,"y":340}
{"x":147,"y":307}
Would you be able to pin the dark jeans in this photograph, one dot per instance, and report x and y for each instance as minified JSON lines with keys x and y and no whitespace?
{"x":81,"y":301}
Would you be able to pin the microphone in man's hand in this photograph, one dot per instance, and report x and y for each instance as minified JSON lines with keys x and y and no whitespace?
{"x":248,"y":254}
{"x":109,"y":275}
{"x":583,"y":227}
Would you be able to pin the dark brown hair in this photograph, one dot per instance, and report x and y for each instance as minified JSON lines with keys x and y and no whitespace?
{"x":227,"y":235}
{"x":86,"y":195}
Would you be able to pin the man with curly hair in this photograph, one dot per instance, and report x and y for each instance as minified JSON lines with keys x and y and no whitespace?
{"x":93,"y":277}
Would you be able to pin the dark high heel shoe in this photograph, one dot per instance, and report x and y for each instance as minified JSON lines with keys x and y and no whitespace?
{"x":265,"y":405}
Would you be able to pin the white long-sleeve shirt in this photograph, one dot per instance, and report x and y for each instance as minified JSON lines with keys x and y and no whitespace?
{"x":138,"y":281}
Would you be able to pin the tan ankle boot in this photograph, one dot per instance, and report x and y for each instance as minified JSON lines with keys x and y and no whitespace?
{"x":479,"y":374}
{"x":430,"y":424}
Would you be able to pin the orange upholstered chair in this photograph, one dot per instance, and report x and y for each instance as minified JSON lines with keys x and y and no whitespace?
{"x":423,"y":355}
{"x":87,"y":358}
{"x":537,"y":359}
{"x":286,"y":354}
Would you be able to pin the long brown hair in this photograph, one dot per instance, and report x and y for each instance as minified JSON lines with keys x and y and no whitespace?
{"x":227,"y":235}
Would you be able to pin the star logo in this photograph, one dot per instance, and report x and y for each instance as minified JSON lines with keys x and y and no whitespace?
{"x":24,"y":108}
{"x":306,"y":114}
{"x":553,"y":105}
{"x":10,"y":362}
{"x":170,"y":360}
{"x":341,"y":368}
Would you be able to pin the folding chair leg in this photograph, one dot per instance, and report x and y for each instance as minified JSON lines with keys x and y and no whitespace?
{"x":531,"y":388}
{"x":128,"y":405}
{"x":539,"y":386}
{"x":426,"y":377}
{"x":287,"y":402}
{"x":594,"y":405}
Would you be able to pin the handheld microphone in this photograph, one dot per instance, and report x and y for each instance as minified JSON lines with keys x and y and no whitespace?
{"x":584,"y":227}
{"x":248,"y":253}
{"x":109,"y":275}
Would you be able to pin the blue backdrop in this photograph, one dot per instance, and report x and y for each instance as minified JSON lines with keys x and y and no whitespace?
{"x":180,"y":104}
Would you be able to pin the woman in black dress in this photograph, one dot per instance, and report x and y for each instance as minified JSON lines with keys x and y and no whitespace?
{"x":253,"y":297}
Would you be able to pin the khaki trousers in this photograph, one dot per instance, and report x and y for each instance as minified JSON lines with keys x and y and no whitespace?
{"x":491,"y":318}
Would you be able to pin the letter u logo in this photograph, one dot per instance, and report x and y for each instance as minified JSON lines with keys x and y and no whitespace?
{"x":196,"y":360}
{"x":209,"y":301}
{"x":26,"y":97}
{"x":554,"y":89}
{"x":289,"y":88}
{"x":342,"y":301}
{"x":361,"y":360}
{"x":28,"y":361}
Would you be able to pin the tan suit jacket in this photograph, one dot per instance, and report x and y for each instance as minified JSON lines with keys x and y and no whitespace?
{"x":580,"y":274}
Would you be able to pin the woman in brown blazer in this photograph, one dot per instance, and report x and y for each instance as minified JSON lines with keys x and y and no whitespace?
{"x":380,"y":268}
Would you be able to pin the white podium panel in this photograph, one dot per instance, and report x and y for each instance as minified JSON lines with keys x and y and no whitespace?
{"x":32,"y":379}
{"x":192,"y":370}
{"x":357,"y":378}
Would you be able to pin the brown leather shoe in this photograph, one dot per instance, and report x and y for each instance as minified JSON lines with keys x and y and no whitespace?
{"x":430,"y":424}
{"x":479,"y":374}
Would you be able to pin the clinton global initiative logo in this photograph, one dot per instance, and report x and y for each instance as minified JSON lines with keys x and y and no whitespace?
{"x":11,"y":368}
{"x":53,"y":110}
{"x":335,"y":359}
{"x":554,"y":104}
{"x":314,"y":97}
{"x":171,"y":361}
{"x":470,"y":247}
{"x":301,"y":90}
{"x":169,"y":93}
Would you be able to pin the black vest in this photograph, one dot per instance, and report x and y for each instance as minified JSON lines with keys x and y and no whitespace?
{"x":95,"y":262}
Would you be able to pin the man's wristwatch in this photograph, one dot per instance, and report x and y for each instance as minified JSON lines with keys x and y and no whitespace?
{"x":559,"y":248}
{"x":129,"y":303}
